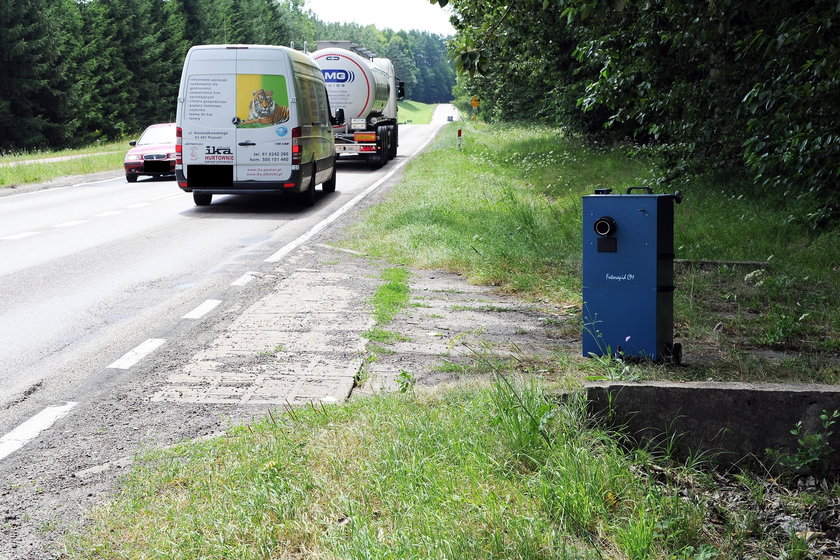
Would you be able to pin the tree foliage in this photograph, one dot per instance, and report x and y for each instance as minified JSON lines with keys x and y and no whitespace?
{"x":746,"y":85}
{"x":420,"y":58}
{"x":77,"y":71}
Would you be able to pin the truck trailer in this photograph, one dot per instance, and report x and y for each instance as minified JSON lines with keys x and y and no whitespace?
{"x":367,"y":89}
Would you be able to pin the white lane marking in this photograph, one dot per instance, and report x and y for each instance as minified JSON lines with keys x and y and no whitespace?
{"x":138,"y":205}
{"x":97,"y":182}
{"x":32,"y":428}
{"x":202,"y":309}
{"x":138,"y":353}
{"x":54,"y":189}
{"x":108,"y":213}
{"x":23,"y":235}
{"x":281,"y":254}
{"x":71,"y":223}
{"x":244,"y":279}
{"x":169,"y":196}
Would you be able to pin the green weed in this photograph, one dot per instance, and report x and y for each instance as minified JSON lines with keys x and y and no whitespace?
{"x":383,"y":336}
{"x":391,"y":296}
{"x":813,"y":447}
{"x":406,"y":381}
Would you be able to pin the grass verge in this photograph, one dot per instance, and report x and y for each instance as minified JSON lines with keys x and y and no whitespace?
{"x":494,"y":471}
{"x":23,"y":168}
{"x":757,"y":297}
{"x":415,"y":112}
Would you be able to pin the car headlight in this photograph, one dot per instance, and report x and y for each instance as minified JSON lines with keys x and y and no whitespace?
{"x":133,"y":158}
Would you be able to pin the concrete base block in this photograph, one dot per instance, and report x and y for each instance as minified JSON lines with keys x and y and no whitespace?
{"x":731,"y":420}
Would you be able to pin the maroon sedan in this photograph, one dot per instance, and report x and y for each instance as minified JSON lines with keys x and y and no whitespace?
{"x":153,"y":154}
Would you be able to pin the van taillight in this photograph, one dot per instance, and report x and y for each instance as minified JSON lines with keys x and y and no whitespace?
{"x":297,"y":155}
{"x":179,"y":147}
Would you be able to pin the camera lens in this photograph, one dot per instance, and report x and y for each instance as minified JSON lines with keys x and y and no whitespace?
{"x":605,"y":226}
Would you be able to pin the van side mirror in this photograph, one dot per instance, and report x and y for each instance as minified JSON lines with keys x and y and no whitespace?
{"x":401,"y":90}
{"x":339,"y":117}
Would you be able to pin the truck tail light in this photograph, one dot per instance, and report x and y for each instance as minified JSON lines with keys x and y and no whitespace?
{"x":179,"y":146}
{"x":297,"y":154}
{"x":365,"y":137}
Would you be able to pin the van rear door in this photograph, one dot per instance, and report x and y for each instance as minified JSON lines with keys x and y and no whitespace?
{"x":209,"y":101}
{"x":264,"y":116}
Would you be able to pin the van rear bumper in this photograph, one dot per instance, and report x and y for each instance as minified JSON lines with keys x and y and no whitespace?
{"x":293,"y":184}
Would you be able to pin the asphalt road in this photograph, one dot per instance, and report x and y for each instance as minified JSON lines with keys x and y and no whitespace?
{"x":90,"y":271}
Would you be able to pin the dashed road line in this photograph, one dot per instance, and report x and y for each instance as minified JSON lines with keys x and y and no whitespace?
{"x":71,"y":223}
{"x":32,"y":428}
{"x":97,"y":182}
{"x":47,"y":191}
{"x":244,"y":279}
{"x":202,"y":309}
{"x":109,"y":213}
{"x":22,"y":235}
{"x":169,"y":196}
{"x":134,"y":356}
{"x":138,"y":205}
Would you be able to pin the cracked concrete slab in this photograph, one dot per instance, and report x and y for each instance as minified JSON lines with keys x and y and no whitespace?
{"x":301,"y":342}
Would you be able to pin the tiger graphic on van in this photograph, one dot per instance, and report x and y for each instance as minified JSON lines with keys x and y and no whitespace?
{"x":263,"y":109}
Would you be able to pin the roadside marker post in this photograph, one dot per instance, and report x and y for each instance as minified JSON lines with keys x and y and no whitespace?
{"x":459,"y":137}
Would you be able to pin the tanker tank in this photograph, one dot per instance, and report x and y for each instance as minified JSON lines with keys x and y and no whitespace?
{"x":366,"y":89}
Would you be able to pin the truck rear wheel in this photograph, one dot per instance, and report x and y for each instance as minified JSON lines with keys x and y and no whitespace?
{"x":392,"y":152}
{"x":382,"y":148}
{"x":377,"y":161}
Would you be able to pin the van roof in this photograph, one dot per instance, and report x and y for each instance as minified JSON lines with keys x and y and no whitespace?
{"x":295,"y":54}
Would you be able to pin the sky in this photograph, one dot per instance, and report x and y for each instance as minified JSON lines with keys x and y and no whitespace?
{"x":385,"y":14}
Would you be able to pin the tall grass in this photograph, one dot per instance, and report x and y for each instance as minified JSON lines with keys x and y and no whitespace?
{"x":446,"y":475}
{"x":506,"y":211}
{"x":791,"y":300}
{"x":502,"y":210}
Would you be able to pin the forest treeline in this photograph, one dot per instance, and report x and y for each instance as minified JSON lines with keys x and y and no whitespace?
{"x":74,"y":72}
{"x":742,"y":86}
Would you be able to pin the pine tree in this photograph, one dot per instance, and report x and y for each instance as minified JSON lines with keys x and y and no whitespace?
{"x":26,"y":58}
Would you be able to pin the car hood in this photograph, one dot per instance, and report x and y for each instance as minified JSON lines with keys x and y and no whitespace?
{"x":151,"y":149}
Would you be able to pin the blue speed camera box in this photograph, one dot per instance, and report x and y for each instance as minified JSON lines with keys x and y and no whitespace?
{"x":628,"y":275}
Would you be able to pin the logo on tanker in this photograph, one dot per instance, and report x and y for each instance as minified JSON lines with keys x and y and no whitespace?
{"x":338,"y":76}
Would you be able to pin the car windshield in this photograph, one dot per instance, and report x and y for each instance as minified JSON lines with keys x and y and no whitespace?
{"x":157,"y":135}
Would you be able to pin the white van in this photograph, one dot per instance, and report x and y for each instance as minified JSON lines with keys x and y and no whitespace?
{"x":253,"y":119}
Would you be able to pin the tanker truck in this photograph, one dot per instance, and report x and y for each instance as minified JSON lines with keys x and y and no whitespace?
{"x":366,"y":88}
